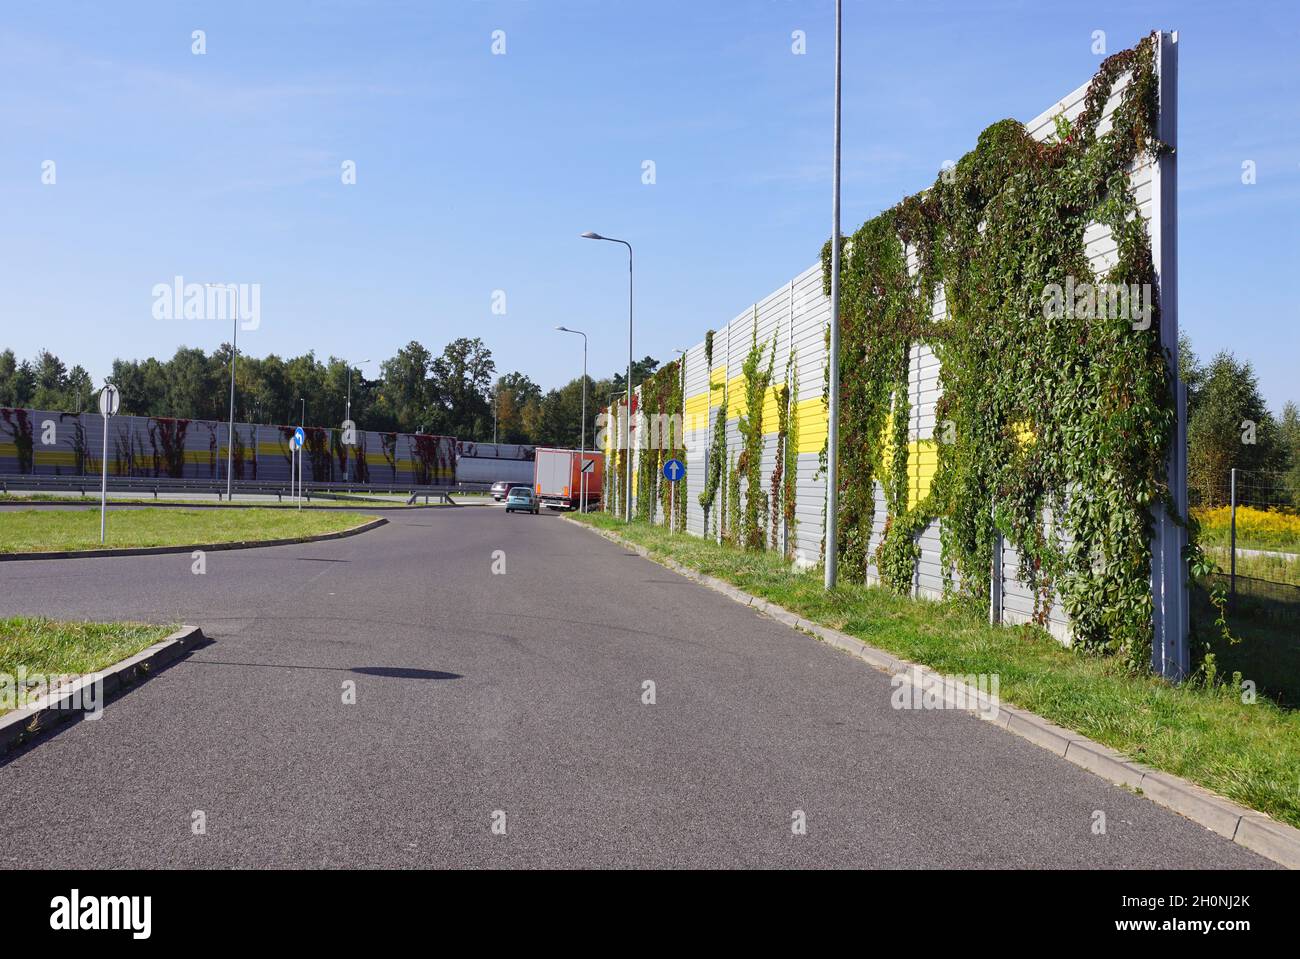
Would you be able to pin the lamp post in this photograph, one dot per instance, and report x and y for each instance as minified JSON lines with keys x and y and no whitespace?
{"x":833,"y":404}
{"x":591,"y":235}
{"x":582,"y":442}
{"x":347,"y":415}
{"x":234,"y":351}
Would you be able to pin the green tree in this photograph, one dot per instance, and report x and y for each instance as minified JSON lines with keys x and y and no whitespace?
{"x":511,"y":396}
{"x":51,"y":382}
{"x":641,"y":370}
{"x":1289,"y":441}
{"x":461,"y":378}
{"x":1228,"y":426}
{"x":404,"y":389}
{"x":15,"y":385}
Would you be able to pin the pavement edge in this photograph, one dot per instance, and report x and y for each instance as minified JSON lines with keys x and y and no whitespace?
{"x":54,"y":709}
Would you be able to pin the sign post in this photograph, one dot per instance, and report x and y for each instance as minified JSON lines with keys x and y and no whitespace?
{"x":585,"y":470}
{"x":674,"y":470}
{"x":295,"y":448}
{"x":109,"y":401}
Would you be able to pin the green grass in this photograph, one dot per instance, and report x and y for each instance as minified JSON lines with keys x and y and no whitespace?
{"x":125,"y":500}
{"x":1267,"y":651}
{"x":34,"y":530}
{"x":1250,"y":754}
{"x":46,"y":647}
{"x":1275,"y":569}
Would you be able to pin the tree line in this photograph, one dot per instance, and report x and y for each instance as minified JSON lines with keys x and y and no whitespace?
{"x":456,"y":392}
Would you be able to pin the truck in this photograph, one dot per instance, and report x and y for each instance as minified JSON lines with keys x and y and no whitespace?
{"x":558,"y":478}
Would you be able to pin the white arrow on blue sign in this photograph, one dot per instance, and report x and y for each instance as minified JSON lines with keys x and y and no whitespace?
{"x":300,"y":436}
{"x":674,"y":470}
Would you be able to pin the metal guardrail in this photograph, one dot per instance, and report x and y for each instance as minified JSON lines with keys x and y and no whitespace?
{"x":37,"y":483}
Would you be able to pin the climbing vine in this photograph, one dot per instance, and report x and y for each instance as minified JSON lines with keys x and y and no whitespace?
{"x":757,"y":379}
{"x":717,"y":454}
{"x":790,"y":439}
{"x":731,"y":521}
{"x":778,"y":471}
{"x":880,"y":316}
{"x":1054,"y":422}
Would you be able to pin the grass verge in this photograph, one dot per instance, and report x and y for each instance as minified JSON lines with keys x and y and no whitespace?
{"x":1249,"y":753}
{"x":28,"y":531}
{"x":241,"y":501}
{"x":45,"y":647}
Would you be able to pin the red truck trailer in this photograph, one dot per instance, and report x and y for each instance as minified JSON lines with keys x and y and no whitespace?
{"x":559,"y":481}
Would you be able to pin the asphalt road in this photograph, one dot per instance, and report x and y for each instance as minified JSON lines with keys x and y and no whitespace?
{"x":478,"y":693}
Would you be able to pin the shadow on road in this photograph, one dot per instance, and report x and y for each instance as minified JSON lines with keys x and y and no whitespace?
{"x":390,"y":672}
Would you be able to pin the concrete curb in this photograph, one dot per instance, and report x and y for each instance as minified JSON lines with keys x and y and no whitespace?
{"x":60,"y":706}
{"x":1247,"y":827}
{"x":204,"y":547}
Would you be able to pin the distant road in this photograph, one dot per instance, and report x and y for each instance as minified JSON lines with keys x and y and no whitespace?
{"x":522,"y":693}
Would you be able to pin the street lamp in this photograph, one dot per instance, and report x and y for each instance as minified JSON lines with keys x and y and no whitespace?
{"x":582,"y":443}
{"x":348,"y":415}
{"x":352,"y":460}
{"x":234,"y":351}
{"x":833,"y":393}
{"x":592,"y":235}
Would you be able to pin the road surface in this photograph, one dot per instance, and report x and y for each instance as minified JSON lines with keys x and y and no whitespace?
{"x":516,"y":698}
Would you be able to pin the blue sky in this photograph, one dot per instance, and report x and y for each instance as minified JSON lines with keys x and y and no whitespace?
{"x":477,"y":172}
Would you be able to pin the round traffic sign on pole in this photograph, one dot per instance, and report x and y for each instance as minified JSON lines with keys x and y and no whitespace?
{"x":110,"y":399}
{"x":674,"y":471}
{"x":299,"y":437}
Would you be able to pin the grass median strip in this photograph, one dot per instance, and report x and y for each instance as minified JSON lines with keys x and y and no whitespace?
{"x":1249,"y":753}
{"x":39,"y":647}
{"x":261,"y":502}
{"x":31,"y":531}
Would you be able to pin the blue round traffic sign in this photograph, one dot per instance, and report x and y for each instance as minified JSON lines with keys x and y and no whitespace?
{"x":299,"y":436}
{"x":674,"y":470}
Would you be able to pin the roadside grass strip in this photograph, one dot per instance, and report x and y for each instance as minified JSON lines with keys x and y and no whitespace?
{"x":263,"y":502}
{"x":35,"y":530}
{"x":1249,"y":753}
{"x":36,"y":650}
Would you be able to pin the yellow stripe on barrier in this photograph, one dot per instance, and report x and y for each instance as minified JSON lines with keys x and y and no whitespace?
{"x":53,"y":457}
{"x":814,"y":424}
{"x":697,"y":406}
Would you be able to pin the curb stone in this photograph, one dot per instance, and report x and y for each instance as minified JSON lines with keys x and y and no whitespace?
{"x":204,"y":547}
{"x":56,"y":708}
{"x":1246,"y":827}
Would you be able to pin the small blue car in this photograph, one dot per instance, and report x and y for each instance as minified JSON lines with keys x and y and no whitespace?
{"x":522,"y":500}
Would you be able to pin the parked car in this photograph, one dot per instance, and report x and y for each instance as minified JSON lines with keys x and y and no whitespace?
{"x":499,"y":490}
{"x":522,"y":500}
